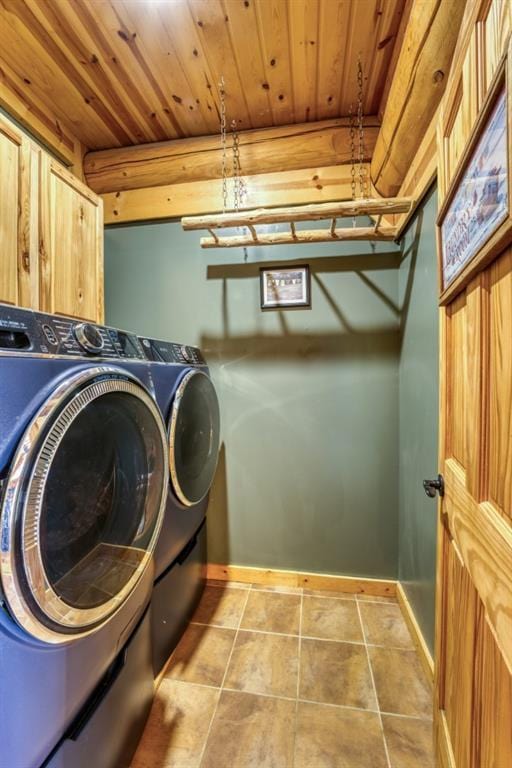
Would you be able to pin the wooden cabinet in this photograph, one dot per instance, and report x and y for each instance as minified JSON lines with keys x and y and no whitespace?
{"x":15,"y":209}
{"x":71,"y":245}
{"x":10,"y":163}
{"x":51,"y":232}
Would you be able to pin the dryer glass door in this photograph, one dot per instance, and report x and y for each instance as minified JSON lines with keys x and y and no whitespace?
{"x":89,"y":505}
{"x":194,"y":434}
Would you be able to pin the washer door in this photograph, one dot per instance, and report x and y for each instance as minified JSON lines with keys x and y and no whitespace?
{"x":194,"y":433}
{"x":83,"y":505}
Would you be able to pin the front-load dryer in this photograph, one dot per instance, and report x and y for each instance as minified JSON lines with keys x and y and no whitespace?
{"x":188,"y":402}
{"x":83,"y":470}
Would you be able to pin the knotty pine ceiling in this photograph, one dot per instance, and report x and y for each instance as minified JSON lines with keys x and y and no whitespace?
{"x":122,"y":72}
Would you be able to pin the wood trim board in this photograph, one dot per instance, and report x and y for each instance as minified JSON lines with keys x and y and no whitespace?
{"x":415,"y":630}
{"x":283,"y":578}
{"x":421,"y":175}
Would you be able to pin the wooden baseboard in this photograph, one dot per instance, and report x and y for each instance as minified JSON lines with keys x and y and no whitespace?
{"x":414,"y":628}
{"x":277,"y":578}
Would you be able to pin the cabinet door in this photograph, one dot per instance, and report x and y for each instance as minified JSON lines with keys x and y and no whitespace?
{"x":71,"y":247}
{"x":18,"y":217}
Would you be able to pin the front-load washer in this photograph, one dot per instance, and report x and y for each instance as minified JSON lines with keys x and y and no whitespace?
{"x":108,"y":728}
{"x":83,"y":472}
{"x":188,"y":402}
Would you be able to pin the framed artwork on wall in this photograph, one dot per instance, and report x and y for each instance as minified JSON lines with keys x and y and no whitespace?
{"x":285,"y":287}
{"x":480,"y":203}
{"x":476,"y":215}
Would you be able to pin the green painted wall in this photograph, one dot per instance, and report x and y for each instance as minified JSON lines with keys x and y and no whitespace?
{"x":309,"y":398}
{"x":418,"y":406}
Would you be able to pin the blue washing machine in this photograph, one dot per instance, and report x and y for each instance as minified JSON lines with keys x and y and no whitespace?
{"x":187,"y":399}
{"x":84,"y":478}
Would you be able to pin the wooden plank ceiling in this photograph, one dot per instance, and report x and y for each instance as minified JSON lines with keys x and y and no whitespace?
{"x":122,"y":72}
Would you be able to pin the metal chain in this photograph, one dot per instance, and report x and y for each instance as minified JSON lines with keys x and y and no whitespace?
{"x":238,"y":184}
{"x":223,"y":141}
{"x":352,"y":124}
{"x":352,"y":152}
{"x":236,"y":200}
{"x":363,"y":181}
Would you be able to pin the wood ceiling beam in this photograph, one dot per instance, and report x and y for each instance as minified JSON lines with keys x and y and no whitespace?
{"x":417,"y":87}
{"x":310,"y":185}
{"x":267,"y":150}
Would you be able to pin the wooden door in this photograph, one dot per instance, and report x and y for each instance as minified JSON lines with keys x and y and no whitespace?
{"x":19,"y":167}
{"x":473,"y":694}
{"x":71,"y":248}
{"x":474,"y":632}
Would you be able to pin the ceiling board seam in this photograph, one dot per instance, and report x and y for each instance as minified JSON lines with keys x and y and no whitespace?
{"x":237,"y":65}
{"x":290,"y":61}
{"x":26,"y":17}
{"x":385,"y":25}
{"x":261,"y":38}
{"x":83,"y":15}
{"x":368,"y":75}
{"x":207,"y":108}
{"x":390,"y":30}
{"x":64,"y":38}
{"x":260,"y":79}
{"x":182,"y":68}
{"x":211,"y":79}
{"x":317,"y":59}
{"x":217,"y":75}
{"x":317,"y":77}
{"x":395,"y":54}
{"x":164,"y":103}
{"x":346,"y":57}
{"x":131,"y":89}
{"x":277,"y":113}
{"x":53,"y":126}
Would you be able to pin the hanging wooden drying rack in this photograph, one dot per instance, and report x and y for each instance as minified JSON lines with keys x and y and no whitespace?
{"x":250,"y":219}
{"x":315,"y":212}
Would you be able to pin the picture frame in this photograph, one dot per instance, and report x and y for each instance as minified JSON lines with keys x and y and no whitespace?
{"x":285,"y":287}
{"x":475,"y":218}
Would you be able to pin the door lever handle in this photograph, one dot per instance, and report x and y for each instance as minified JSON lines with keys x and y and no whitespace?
{"x":431,"y":487}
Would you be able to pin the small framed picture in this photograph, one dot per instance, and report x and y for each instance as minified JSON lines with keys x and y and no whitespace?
{"x":285,"y":287}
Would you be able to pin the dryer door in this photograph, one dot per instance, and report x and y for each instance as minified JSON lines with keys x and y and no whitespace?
{"x":194,"y":434}
{"x":83,"y":505}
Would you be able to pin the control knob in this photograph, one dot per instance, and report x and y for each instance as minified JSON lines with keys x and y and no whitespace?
{"x":88,"y":337}
{"x":186,"y":354}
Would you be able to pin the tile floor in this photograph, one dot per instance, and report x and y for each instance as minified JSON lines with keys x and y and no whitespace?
{"x":291,"y":678}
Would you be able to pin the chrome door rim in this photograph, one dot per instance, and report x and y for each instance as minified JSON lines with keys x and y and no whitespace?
{"x":175,"y":409}
{"x":29,"y":470}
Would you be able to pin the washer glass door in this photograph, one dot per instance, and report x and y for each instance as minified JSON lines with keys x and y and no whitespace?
{"x":87,"y":506}
{"x":194,"y":434}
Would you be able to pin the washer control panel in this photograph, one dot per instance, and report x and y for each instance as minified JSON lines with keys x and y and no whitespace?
{"x":23,"y":330}
{"x":170,"y":352}
{"x":88,"y":337}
